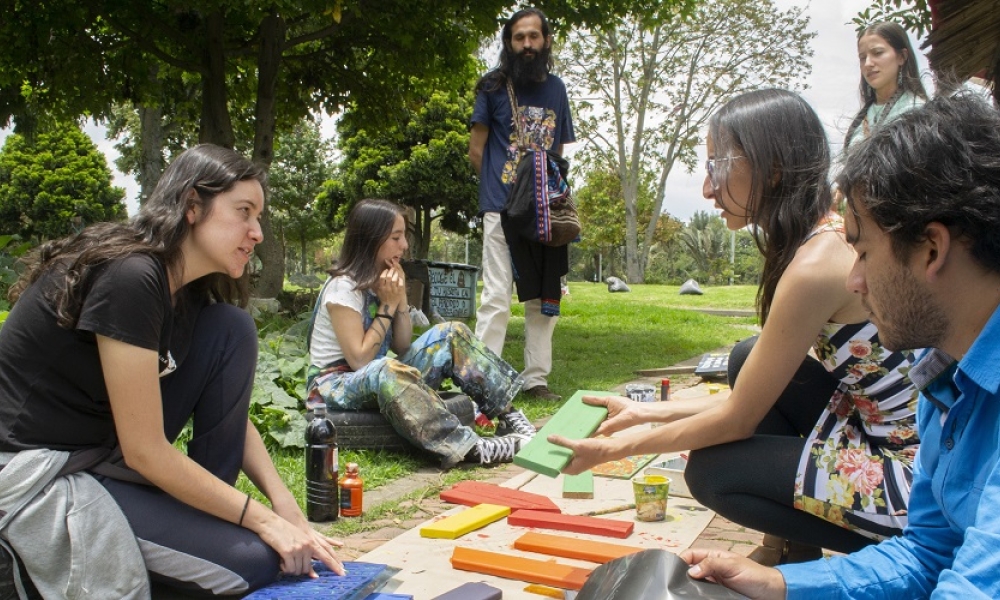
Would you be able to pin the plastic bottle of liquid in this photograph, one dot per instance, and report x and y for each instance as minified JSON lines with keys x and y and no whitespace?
{"x":321,"y":468}
{"x":351,"y":491}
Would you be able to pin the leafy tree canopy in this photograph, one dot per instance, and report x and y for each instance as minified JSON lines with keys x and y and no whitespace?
{"x":646,"y":86}
{"x":421,"y":161}
{"x":302,"y":163}
{"x":55,"y":184}
{"x":914,"y":15}
{"x":284,"y":58}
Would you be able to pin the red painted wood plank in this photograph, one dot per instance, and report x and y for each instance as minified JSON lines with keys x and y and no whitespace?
{"x":567,"y":547}
{"x":594,"y":525}
{"x":516,"y":567}
{"x":472,"y":493}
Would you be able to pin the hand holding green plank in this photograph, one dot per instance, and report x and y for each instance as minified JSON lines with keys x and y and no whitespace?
{"x":575,"y":420}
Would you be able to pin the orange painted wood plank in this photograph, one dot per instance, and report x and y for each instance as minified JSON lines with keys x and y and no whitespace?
{"x":472,"y":493}
{"x":516,"y":567}
{"x":567,"y":547}
{"x":594,"y":525}
{"x":462,"y":523}
{"x":574,"y":420}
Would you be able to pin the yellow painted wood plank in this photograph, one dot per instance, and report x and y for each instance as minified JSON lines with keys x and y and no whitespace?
{"x":462,"y":523}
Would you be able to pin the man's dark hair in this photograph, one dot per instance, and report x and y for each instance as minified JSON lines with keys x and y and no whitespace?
{"x":497,"y":76}
{"x":939,"y":163}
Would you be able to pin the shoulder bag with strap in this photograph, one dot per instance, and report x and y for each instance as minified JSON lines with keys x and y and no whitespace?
{"x":556,"y":220}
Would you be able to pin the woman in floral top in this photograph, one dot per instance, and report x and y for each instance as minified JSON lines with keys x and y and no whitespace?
{"x":817,"y":450}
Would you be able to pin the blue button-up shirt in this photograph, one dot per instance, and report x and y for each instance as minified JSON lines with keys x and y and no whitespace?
{"x":951,"y":546}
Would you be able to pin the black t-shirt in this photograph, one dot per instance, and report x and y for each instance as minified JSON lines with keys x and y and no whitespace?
{"x":52,"y":391}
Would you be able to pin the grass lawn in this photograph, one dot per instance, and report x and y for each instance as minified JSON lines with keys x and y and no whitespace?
{"x":601,"y":339}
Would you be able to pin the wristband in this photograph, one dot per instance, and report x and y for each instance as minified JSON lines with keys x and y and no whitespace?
{"x":243,"y":514}
{"x":382,"y":316}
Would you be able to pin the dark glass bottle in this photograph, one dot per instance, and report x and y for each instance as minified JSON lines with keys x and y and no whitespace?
{"x":321,"y":468}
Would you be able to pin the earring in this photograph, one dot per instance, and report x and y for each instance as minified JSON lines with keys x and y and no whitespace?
{"x":899,"y":77}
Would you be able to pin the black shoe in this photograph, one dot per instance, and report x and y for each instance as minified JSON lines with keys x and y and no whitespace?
{"x":514,"y":423}
{"x":494,"y":450}
{"x":542,"y":392}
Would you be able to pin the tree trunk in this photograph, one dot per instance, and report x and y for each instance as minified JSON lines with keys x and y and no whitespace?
{"x":305,"y":265}
{"x":632,"y":268}
{"x":270,"y":252}
{"x":150,"y":150}
{"x":425,"y":234}
{"x":216,"y":126}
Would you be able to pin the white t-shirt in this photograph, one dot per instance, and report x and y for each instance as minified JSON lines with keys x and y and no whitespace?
{"x":325,"y":347}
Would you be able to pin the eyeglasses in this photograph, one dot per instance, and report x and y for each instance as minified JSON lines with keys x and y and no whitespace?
{"x":710,"y":167}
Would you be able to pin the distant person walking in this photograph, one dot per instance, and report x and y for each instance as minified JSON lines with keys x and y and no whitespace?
{"x":544,"y":119}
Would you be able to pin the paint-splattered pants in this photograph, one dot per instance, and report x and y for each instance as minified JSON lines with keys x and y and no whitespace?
{"x":403,"y":388}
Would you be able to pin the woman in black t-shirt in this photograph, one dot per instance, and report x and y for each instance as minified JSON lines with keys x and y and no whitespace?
{"x":123,"y":333}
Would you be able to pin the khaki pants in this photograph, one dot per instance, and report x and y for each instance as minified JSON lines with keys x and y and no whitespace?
{"x":494,"y":308}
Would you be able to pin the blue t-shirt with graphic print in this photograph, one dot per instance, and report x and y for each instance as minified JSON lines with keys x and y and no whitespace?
{"x":545,"y":122}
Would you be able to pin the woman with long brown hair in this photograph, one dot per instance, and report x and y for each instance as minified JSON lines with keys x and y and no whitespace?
{"x":814,"y":450}
{"x":362,"y":313}
{"x":119,"y":337}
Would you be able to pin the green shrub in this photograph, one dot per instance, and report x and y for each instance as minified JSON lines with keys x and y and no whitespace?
{"x":11,"y":251}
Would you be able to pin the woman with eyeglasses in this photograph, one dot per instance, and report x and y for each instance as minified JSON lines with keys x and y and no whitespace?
{"x":814,"y":445}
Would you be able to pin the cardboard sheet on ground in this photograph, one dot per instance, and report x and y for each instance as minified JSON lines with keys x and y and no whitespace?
{"x":425,"y":569}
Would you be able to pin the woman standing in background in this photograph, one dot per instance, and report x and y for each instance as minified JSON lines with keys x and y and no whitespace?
{"x":890,"y":82}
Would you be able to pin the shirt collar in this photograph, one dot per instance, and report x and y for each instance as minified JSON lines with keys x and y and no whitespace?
{"x":981,"y":362}
{"x":933,"y":374}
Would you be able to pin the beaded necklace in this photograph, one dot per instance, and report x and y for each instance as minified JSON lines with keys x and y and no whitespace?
{"x":881,"y":114}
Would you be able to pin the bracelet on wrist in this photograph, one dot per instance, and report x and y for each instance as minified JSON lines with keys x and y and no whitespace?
{"x":383,"y":316}
{"x":243,"y":514}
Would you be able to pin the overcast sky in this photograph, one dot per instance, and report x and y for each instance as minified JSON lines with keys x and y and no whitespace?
{"x":832,"y":91}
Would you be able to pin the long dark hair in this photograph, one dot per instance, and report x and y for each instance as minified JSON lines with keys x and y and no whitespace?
{"x":497,"y":77}
{"x":895,"y":36}
{"x":941,"y":164}
{"x":785,"y":147}
{"x":369,"y":225}
{"x":195,"y":177}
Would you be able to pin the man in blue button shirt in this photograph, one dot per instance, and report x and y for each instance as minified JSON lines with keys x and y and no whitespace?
{"x":924,"y":217}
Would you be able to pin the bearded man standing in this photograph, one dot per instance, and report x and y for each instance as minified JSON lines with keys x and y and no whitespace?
{"x":545,"y":123}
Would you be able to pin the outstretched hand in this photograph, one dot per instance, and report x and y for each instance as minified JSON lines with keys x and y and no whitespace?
{"x":622,"y":413}
{"x":735,"y":572}
{"x":298,"y":544}
{"x":587,"y":453}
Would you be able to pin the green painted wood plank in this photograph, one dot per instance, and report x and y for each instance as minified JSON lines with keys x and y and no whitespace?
{"x":575,"y":420}
{"x":579,"y":486}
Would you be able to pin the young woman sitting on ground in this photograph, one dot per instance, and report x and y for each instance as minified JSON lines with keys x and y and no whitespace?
{"x":121,"y":335}
{"x":363,"y":313}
